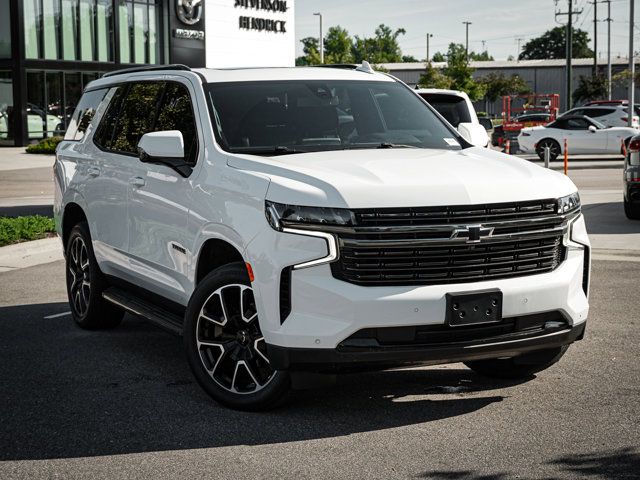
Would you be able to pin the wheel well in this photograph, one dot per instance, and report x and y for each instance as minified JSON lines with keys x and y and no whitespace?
{"x":215,"y":253}
{"x":73,"y":214}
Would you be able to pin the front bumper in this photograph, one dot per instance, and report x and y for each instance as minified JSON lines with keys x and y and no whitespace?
{"x":350,"y":356}
{"x":323,"y":311}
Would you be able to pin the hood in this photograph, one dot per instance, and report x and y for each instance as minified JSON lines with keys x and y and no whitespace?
{"x":403,"y":178}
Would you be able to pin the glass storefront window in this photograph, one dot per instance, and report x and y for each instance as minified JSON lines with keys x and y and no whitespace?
{"x":140,"y":29}
{"x":32,"y":27}
{"x":87,"y":34}
{"x":5,"y":30}
{"x":6,"y":109}
{"x":50,"y":20}
{"x":69,"y":29}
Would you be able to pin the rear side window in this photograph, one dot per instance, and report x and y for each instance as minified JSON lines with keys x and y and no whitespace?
{"x":451,"y":107}
{"x":104,"y":136}
{"x":84,"y":113}
{"x":598,"y":112}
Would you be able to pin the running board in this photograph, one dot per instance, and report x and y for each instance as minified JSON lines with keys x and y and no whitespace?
{"x":142,"y":308}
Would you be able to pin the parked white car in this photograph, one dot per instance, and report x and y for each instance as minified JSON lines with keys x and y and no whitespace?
{"x":456,"y":108}
{"x":296,"y":220}
{"x":584,"y":136}
{"x":609,"y":116}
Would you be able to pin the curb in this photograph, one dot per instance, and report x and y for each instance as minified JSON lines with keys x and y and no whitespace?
{"x":29,"y":254}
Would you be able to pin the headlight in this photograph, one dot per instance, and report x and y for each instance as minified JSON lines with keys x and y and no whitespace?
{"x":569,"y":203}
{"x":280,"y":215}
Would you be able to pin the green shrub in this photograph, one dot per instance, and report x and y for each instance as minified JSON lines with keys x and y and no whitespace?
{"x":48,"y":145}
{"x":20,"y":229}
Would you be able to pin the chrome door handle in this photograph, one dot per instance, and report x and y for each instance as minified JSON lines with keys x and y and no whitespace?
{"x":137,"y":181}
{"x":93,"y":171}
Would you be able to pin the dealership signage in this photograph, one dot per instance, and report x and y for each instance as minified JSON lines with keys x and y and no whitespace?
{"x":259,"y":23}
{"x":189,"y":12}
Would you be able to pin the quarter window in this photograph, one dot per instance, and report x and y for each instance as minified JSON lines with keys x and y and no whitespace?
{"x":84,"y":113}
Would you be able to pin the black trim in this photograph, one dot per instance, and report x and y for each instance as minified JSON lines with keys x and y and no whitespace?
{"x":368,"y":357}
{"x":147,"y":68}
{"x":147,"y":295}
{"x":285,"y":294}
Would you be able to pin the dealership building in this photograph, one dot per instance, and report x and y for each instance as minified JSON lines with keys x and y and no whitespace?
{"x":51,"y":49}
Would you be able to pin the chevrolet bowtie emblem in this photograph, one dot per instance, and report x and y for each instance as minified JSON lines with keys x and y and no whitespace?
{"x":472,"y":233}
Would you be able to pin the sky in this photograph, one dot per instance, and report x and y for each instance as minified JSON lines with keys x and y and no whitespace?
{"x":498,"y":22}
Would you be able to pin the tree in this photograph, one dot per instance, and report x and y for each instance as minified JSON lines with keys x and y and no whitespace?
{"x":409,"y":59}
{"x":460,"y":74}
{"x":590,"y":88}
{"x":553,"y":44}
{"x":438,"y":57}
{"x":480,"y":57}
{"x":337,"y":46}
{"x":434,"y":78}
{"x":382,"y":48}
{"x":311,"y":52}
{"x":497,"y":85}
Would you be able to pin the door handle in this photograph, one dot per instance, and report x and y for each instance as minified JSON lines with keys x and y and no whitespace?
{"x":137,"y":181}
{"x":93,"y":171}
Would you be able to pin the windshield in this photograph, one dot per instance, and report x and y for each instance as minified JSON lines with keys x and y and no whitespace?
{"x":279,"y":117}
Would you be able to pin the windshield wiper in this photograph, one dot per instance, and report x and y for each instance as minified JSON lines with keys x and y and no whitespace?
{"x":395,"y":145}
{"x":275,"y":150}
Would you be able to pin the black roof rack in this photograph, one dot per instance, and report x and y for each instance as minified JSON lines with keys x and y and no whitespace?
{"x":147,"y":68}
{"x":346,"y":66}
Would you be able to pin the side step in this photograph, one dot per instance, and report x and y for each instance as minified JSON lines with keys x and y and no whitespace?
{"x":142,"y":308}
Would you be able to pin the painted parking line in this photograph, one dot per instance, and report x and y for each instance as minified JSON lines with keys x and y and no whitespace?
{"x":49,"y":317}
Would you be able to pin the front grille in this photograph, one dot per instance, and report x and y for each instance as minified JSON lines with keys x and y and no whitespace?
{"x":421,"y":246}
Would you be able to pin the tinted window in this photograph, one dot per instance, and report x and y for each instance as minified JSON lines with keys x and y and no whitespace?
{"x":451,"y":107}
{"x":104,"y":136}
{"x":176,"y":113}
{"x":256,"y":117}
{"x":486,"y":123}
{"x":577,"y":124}
{"x":84,"y":113}
{"x":598,"y":112}
{"x":136,"y":116}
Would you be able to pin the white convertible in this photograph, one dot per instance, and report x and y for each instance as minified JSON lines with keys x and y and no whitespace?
{"x":584,"y":136}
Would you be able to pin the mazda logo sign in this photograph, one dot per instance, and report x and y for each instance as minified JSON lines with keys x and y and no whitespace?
{"x":189,"y":11}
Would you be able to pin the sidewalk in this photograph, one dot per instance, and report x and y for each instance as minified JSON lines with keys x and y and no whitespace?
{"x":15,"y":158}
{"x":26,"y":183}
{"x":29,"y":254}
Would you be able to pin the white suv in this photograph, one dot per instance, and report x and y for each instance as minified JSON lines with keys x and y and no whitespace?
{"x":290,"y":222}
{"x":609,"y":116}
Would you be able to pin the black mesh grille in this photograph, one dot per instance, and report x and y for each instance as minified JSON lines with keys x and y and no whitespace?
{"x":413,"y":246}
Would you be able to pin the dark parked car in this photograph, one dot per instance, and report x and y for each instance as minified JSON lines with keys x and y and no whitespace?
{"x":631,"y":179}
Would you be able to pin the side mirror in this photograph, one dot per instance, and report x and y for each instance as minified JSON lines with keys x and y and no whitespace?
{"x":592,"y":129}
{"x":166,"y":148}
{"x":474,"y":133}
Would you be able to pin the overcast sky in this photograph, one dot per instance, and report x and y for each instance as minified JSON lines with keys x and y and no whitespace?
{"x":497,"y":22}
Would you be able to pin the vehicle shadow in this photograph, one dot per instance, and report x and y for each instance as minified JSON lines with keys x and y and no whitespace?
{"x":608,"y":218}
{"x":619,"y":463}
{"x":74,"y":393}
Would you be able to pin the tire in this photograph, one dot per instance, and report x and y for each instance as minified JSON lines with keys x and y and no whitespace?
{"x":631,"y":210}
{"x":520,"y":367}
{"x":85,"y":284}
{"x":224,"y":345}
{"x":552,"y":144}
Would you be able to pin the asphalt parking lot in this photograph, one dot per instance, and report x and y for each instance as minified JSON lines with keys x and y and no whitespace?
{"x":78,"y":404}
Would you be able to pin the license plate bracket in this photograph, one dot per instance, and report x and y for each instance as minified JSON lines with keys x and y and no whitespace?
{"x":483,"y":306}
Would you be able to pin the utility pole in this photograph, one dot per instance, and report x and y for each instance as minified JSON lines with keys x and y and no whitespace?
{"x":321,"y":38}
{"x":569,"y":39}
{"x":632,"y":66}
{"x":484,"y":49}
{"x":595,"y":37}
{"x":466,"y":44}
{"x":519,"y":40}
{"x":429,"y":35}
{"x":608,"y":49}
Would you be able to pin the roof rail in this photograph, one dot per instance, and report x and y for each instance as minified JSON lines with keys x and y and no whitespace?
{"x":346,"y":66}
{"x":147,"y":68}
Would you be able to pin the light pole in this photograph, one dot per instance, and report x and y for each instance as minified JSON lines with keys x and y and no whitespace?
{"x":429,"y":35}
{"x":321,"y":38}
{"x":466,"y":44}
